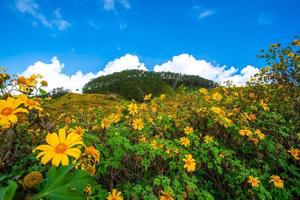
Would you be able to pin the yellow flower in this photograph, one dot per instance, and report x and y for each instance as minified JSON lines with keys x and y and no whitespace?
{"x":143,"y":106}
{"x":252,"y":117}
{"x":185,"y":141}
{"x":245,"y":132}
{"x":260,"y":135}
{"x":88,"y":189}
{"x":116,"y":117}
{"x":217,"y":96}
{"x":153,"y":108}
{"x":115,"y":195}
{"x":208,"y":139}
{"x":132,"y":108}
{"x":296,"y":42}
{"x":59,"y":147}
{"x":143,"y":139}
{"x":277,"y":181}
{"x":189,"y":163}
{"x":32,"y":179}
{"x":137,"y":124}
{"x":30,"y":103}
{"x":264,"y":105}
{"x":78,"y":130}
{"x":188,"y":130}
{"x":147,"y":97}
{"x":162,"y":97}
{"x":44,"y":83}
{"x":8,"y":110}
{"x":92,"y":152}
{"x":291,"y":54}
{"x":217,"y":110}
{"x":105,"y":122}
{"x":24,"y":83}
{"x":168,"y":151}
{"x":166,"y":196}
{"x":295,"y":153}
{"x":203,"y":91}
{"x":156,"y":145}
{"x":253,"y":181}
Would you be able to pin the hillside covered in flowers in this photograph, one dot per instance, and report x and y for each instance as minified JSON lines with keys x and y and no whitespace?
{"x":226,"y":142}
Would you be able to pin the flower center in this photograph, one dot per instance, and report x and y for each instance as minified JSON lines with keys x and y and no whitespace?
{"x":6,"y":111}
{"x":61,"y":148}
{"x":188,"y":162}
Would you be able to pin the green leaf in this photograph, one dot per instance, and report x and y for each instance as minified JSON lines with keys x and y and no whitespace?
{"x":8,"y":192}
{"x":63,"y":184}
{"x":43,"y":92}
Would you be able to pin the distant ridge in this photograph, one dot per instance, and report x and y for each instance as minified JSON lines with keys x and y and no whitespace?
{"x":134,"y":84}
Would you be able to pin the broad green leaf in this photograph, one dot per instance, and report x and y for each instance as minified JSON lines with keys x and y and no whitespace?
{"x":64,"y":184}
{"x":8,"y":192}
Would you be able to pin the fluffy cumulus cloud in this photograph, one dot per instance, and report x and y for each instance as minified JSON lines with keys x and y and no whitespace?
{"x":125,"y":62}
{"x":245,"y":75}
{"x":183,"y":63}
{"x":53,"y":72}
{"x":30,"y":7}
{"x":187,"y":64}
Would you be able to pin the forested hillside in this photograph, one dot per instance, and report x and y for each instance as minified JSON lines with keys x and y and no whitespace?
{"x":134,"y":84}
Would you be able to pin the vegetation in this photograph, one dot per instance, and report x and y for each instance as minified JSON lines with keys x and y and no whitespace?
{"x":135,"y":84}
{"x":58,"y":92}
{"x":221,"y":143}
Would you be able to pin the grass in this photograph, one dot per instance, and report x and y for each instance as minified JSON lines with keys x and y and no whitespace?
{"x":72,"y":103}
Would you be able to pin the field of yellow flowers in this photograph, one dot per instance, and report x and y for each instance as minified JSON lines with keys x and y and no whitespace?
{"x":223,"y":143}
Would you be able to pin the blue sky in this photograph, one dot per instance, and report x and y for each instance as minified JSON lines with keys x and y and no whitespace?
{"x":86,"y":35}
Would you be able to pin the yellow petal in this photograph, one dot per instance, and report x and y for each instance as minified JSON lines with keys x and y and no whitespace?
{"x":56,"y":159}
{"x":19,"y":110}
{"x":64,"y":160}
{"x":48,"y":156}
{"x":45,"y":147}
{"x":41,"y":154}
{"x":73,"y":138}
{"x":13,"y":118}
{"x":62,"y":135}
{"x":52,"y":139}
{"x":74,"y":152}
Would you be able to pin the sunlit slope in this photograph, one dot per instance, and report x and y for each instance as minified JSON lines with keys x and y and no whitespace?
{"x":72,"y":103}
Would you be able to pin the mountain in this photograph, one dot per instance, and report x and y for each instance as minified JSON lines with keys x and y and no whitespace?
{"x":135,"y":84}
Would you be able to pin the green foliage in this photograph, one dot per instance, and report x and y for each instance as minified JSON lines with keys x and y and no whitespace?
{"x":8,"y":192}
{"x":65,"y":184}
{"x":57,"y":92}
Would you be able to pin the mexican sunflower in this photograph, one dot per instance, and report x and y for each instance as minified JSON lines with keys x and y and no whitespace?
{"x":59,"y":147}
{"x":253,"y":181}
{"x":8,"y":110}
{"x":115,"y":195}
{"x":277,"y":181}
{"x":189,"y":163}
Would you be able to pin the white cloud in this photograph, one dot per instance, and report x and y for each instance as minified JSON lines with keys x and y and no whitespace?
{"x":245,"y":75}
{"x":60,"y":23}
{"x":110,"y":4}
{"x":53,"y":72}
{"x":187,"y":64}
{"x":125,"y":62}
{"x":30,"y":7}
{"x":205,"y":13}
